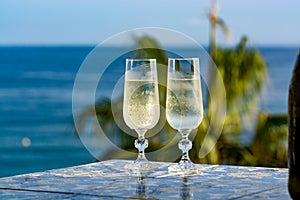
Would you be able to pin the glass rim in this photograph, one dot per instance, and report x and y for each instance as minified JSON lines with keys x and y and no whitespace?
{"x":141,"y":59}
{"x":193,"y":58}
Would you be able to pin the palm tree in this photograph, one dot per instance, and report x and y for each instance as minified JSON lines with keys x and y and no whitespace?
{"x":243,"y":72}
{"x":214,"y":22}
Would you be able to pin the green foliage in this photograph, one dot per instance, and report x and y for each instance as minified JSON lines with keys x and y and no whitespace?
{"x":243,"y":71}
{"x":147,"y":47}
{"x":269,"y":146}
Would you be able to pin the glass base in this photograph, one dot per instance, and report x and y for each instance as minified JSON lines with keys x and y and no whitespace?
{"x":184,"y":168}
{"x":140,"y":167}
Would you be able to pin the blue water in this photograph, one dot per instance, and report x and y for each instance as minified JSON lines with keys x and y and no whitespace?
{"x":280,"y":62}
{"x":36,"y":104}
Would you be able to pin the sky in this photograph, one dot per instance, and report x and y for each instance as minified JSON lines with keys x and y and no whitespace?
{"x":72,"y":22}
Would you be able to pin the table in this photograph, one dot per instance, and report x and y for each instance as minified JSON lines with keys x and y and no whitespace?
{"x":109,"y":180}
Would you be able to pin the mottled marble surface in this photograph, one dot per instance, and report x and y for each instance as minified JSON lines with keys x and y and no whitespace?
{"x":110,"y":180}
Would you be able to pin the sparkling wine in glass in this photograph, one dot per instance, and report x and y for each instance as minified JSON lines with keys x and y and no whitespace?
{"x":184,"y":107}
{"x":141,"y":110}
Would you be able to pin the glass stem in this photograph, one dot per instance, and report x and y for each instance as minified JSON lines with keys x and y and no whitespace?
{"x":185,"y":145}
{"x":141,"y":144}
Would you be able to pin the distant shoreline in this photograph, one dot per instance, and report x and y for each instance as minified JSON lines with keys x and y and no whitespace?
{"x":271,"y":46}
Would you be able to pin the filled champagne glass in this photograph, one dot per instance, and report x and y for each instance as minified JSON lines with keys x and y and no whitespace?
{"x":184,"y":107}
{"x":141,"y":110}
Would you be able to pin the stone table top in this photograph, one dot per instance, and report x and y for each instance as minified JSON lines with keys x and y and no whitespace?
{"x":110,"y":180}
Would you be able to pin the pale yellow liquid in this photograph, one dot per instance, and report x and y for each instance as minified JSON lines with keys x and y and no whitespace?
{"x":184,"y":106}
{"x":141,"y":104}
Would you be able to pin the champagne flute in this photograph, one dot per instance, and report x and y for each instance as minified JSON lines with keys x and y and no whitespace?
{"x":141,"y":110}
{"x":184,"y":107}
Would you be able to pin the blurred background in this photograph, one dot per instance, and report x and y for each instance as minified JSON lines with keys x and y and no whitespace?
{"x":43,"y":43}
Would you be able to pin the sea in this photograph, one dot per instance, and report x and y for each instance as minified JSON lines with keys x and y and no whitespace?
{"x":37,"y":129}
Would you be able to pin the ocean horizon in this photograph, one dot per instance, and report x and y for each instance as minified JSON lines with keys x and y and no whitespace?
{"x":36,"y":83}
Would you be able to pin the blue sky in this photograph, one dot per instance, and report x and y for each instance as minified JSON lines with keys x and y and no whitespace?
{"x":265,"y":22}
